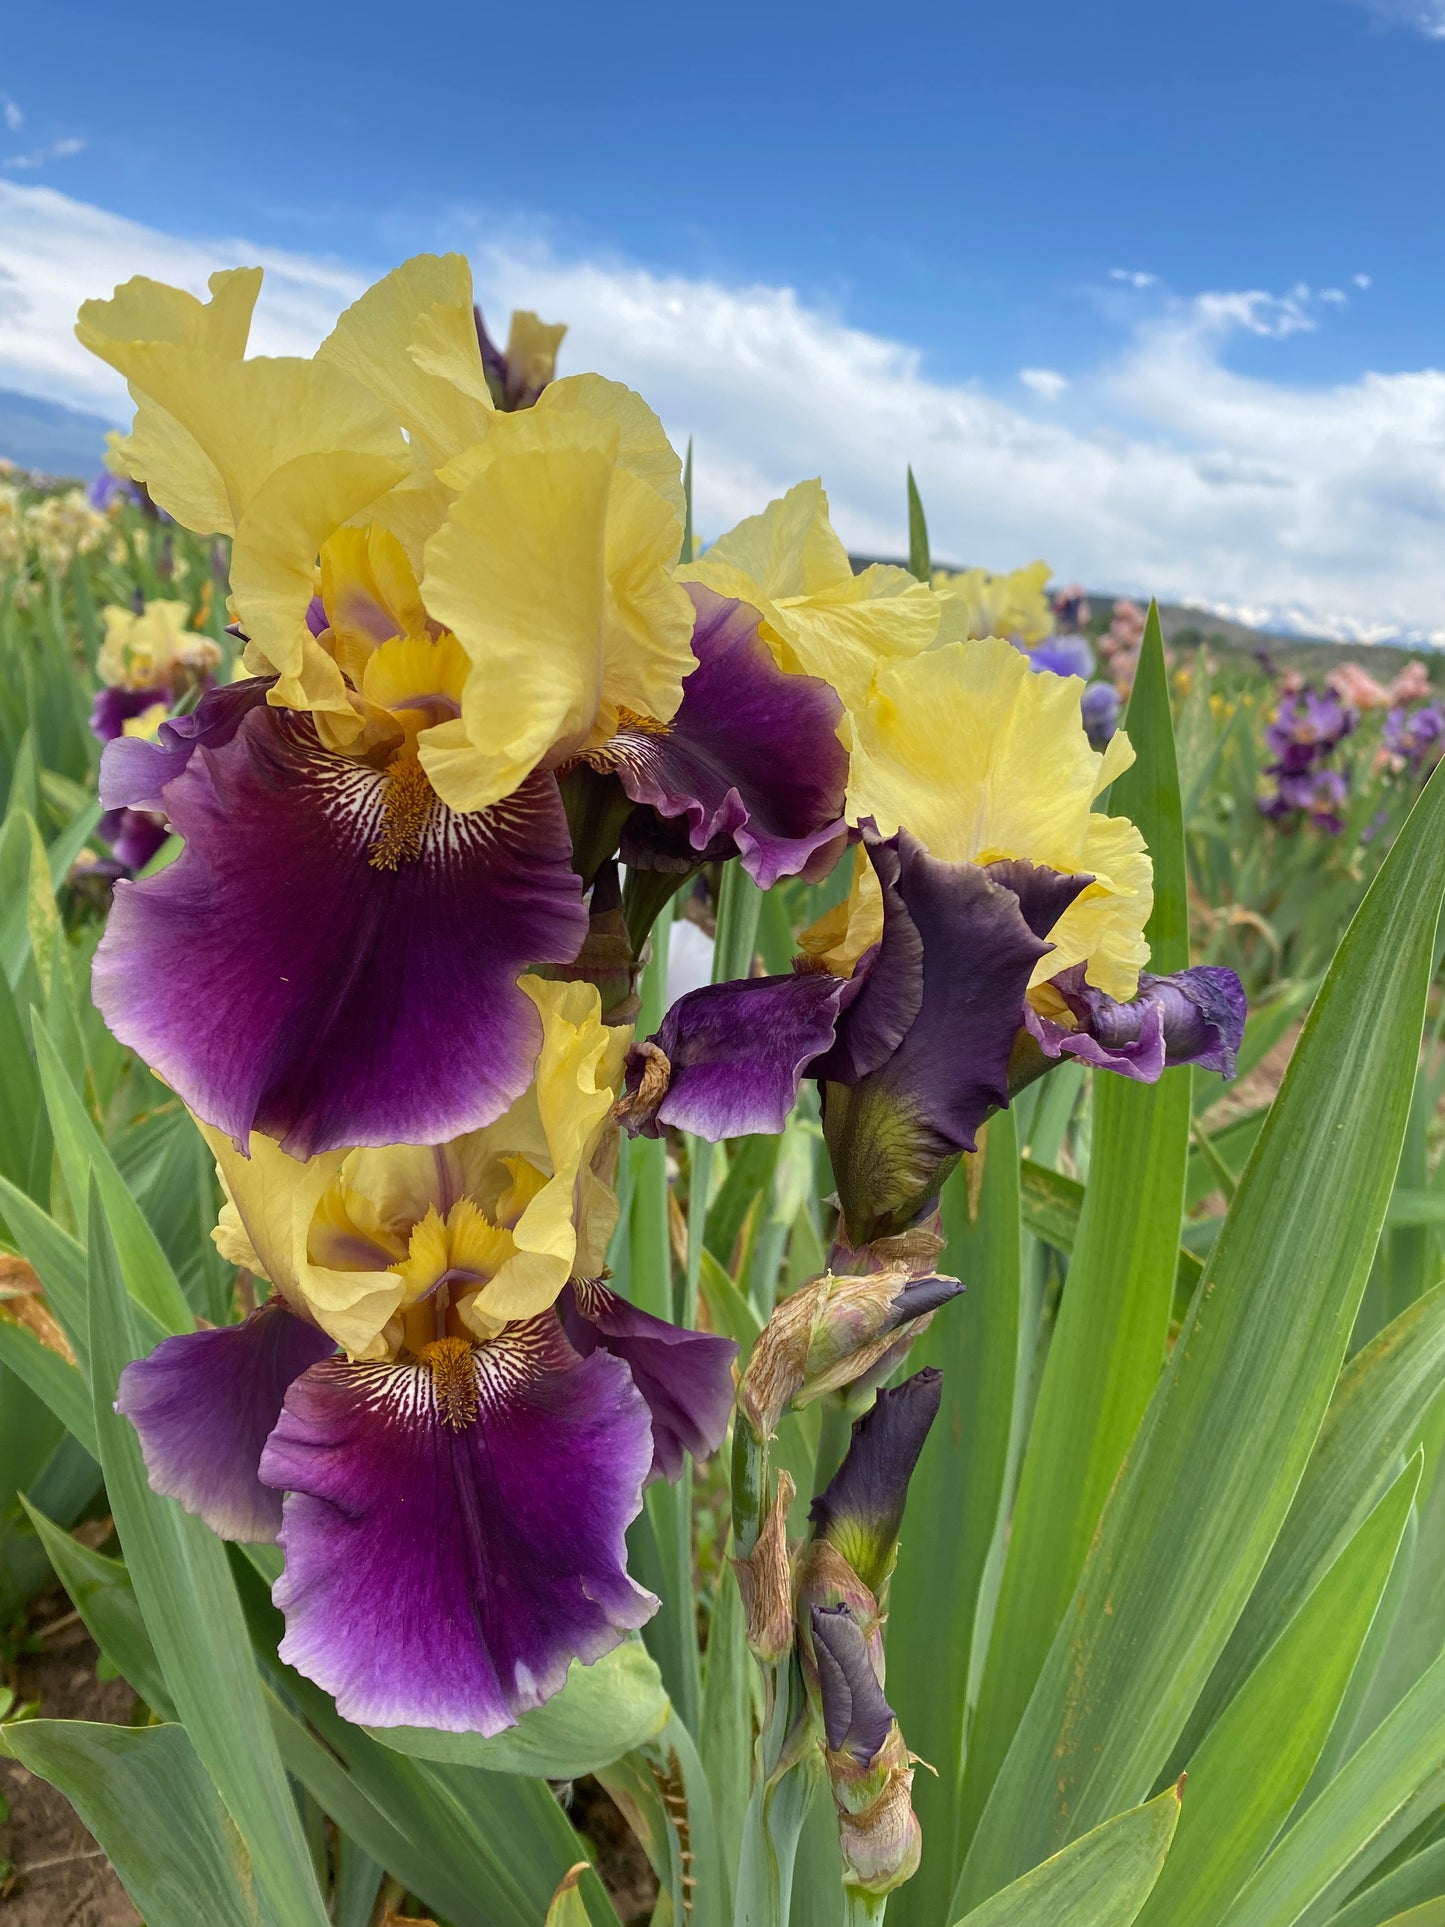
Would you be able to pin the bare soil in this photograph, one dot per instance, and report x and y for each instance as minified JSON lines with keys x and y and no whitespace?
{"x":59,"y":1876}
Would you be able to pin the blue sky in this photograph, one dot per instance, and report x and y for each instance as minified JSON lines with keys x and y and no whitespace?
{"x":1087,"y":238}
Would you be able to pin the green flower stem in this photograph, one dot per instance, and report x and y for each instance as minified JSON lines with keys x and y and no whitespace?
{"x":740,"y":903}
{"x":863,"y":1910}
{"x":672,"y":1635}
{"x":783,"y":1789}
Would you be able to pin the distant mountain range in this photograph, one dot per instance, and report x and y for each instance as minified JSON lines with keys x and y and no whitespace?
{"x":52,"y":439}
{"x":48,"y":436}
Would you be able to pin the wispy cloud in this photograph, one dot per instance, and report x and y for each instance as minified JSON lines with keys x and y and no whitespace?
{"x":1159,"y":469}
{"x":1134,"y":277}
{"x":11,"y":114}
{"x":1047,"y":383}
{"x":1422,"y":16}
{"x":37,"y":157}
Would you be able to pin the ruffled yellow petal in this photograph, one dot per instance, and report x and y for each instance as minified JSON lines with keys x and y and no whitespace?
{"x":980,"y":758}
{"x":999,"y":605}
{"x":791,"y":549}
{"x":977,"y":756}
{"x":526,"y":1182}
{"x":578,"y":1075}
{"x":532,"y":346}
{"x":517,"y":574}
{"x":274,"y":1198}
{"x":291,"y":517}
{"x":411,"y":341}
{"x":819,"y":618}
{"x":415,"y":678}
{"x":1106,"y":925}
{"x":142,"y":311}
{"x":369,"y":589}
{"x":642,"y":445}
{"x":649,"y":616}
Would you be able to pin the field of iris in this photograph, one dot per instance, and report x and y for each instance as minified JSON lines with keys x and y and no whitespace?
{"x":806,"y":1198}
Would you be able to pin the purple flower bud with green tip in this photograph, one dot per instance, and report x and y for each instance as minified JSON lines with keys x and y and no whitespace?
{"x":860,"y":1511}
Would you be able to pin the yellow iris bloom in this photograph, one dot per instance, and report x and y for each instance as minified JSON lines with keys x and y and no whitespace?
{"x":145,"y":650}
{"x":542,"y":545}
{"x":981,"y":759}
{"x":982,"y":605}
{"x":502,"y":1218}
{"x":819,"y":618}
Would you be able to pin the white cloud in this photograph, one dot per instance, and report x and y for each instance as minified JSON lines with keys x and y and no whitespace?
{"x":1159,"y":470}
{"x":56,"y":252}
{"x":1424,"y":16}
{"x":1363,"y":280}
{"x":1047,"y":383}
{"x":11,"y":114}
{"x":1134,"y":277}
{"x":37,"y":157}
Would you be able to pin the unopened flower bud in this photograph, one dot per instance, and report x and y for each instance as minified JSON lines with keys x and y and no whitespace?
{"x":859,"y":1513}
{"x":829,"y":1333}
{"x":869,"y":1766}
{"x":765,"y":1580}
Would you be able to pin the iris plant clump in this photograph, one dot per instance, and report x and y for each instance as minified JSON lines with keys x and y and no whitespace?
{"x":488,"y":716}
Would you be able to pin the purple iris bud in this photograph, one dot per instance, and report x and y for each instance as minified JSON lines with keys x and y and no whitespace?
{"x":1100,"y":705}
{"x":1195,"y":1016}
{"x":685,"y":1376}
{"x":1063,"y":655}
{"x":860,"y":1511}
{"x":857,"y":1719}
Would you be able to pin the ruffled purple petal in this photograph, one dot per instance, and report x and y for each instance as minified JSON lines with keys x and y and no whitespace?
{"x":133,"y":835}
{"x":685,"y":1376}
{"x":113,"y":708}
{"x":204,"y":1405}
{"x":134,"y":772}
{"x":1195,"y":1016}
{"x":280,"y":981}
{"x":887,"y":982}
{"x":979,"y":951}
{"x":454,"y":1531}
{"x":751,"y":765}
{"x":894,"y":1133}
{"x":728,"y":1059}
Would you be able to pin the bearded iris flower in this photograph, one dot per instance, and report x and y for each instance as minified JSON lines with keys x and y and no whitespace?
{"x":447,"y":609}
{"x":989,"y":900}
{"x":451,"y":1487}
{"x":150,"y":658}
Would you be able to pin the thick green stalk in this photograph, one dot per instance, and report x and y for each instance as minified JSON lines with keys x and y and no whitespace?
{"x":863,"y":1910}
